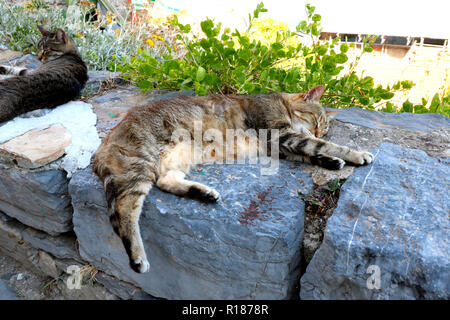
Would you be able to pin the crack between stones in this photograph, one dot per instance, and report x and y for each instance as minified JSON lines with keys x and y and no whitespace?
{"x":320,"y":204}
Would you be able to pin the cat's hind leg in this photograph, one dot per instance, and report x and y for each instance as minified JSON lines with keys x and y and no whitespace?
{"x":128,"y":208}
{"x":174,"y":166}
{"x":127,"y":180}
{"x":174,"y":181}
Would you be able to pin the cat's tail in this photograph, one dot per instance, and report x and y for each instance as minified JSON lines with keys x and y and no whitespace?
{"x":110,"y":187}
{"x":111,"y":195}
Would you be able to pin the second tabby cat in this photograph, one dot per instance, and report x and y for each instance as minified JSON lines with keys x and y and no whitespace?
{"x":140,"y":151}
{"x":59,"y":79}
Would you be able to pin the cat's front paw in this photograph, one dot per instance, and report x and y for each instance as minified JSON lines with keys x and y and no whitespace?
{"x":140,"y":265}
{"x":204,"y":193}
{"x":213,"y":195}
{"x":362,"y":158}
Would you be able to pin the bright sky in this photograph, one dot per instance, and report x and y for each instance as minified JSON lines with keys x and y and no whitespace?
{"x":428,"y":18}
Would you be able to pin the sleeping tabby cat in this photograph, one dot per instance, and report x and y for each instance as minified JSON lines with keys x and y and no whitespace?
{"x":140,"y":150}
{"x":59,"y":79}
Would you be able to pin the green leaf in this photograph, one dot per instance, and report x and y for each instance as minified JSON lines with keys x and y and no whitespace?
{"x":249,"y":87}
{"x":144,"y":85}
{"x":207,"y":27}
{"x":314,"y":30}
{"x":201,"y":89}
{"x":386,"y":95}
{"x":308,"y":62}
{"x":407,"y":107}
{"x":277,"y":46}
{"x":201,"y":74}
{"x":316,"y":17}
{"x":406,"y":84}
{"x":145,"y":69}
{"x":344,"y":48}
{"x":435,"y":102}
{"x":321,"y":50}
{"x":301,"y":27}
{"x":389,"y":107}
{"x":341,"y":58}
{"x":364,"y":100}
{"x":396,"y":86}
{"x":420,"y":109}
{"x":367,"y":82}
{"x":244,"y":54}
{"x":329,"y":63}
{"x":186,"y":82}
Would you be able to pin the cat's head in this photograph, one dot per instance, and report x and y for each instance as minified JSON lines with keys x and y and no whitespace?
{"x":54,"y":44}
{"x":307,"y":112}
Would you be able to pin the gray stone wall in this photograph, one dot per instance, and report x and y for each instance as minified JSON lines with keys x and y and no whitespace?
{"x":387,"y":238}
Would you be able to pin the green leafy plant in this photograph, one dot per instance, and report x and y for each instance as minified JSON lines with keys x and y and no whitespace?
{"x":333,"y":186}
{"x":225,"y":62}
{"x":101,"y":43}
{"x":38,"y":4}
{"x":438,"y":104}
{"x":323,"y":197}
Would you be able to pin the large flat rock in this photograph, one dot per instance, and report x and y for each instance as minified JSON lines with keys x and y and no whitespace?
{"x":425,"y":122}
{"x":247,"y":246}
{"x":39,"y":199}
{"x":37,"y":147}
{"x":392,"y":216}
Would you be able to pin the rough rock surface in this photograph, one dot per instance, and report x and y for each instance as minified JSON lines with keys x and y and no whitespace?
{"x":101,"y":80}
{"x":426,"y":122}
{"x":6,"y":292}
{"x":12,"y":243}
{"x":247,"y":246}
{"x":38,"y":199}
{"x":46,"y":256}
{"x":364,"y":130}
{"x":392,"y":215}
{"x":62,"y":246}
{"x":7,"y":57}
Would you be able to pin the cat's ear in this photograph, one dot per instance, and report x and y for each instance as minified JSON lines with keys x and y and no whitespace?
{"x":314,"y":94}
{"x":43,"y":31}
{"x":331,"y":114}
{"x":61,"y":35}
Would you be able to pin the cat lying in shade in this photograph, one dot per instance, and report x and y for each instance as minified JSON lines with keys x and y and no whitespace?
{"x":58,"y":80}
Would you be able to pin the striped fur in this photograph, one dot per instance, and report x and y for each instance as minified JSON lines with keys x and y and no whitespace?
{"x":140,"y":152}
{"x":59,"y":79}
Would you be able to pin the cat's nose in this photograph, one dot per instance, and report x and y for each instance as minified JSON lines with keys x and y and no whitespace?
{"x":39,"y":55}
